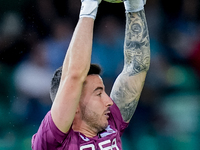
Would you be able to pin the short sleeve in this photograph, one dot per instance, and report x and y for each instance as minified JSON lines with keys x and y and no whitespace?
{"x":48,"y":135}
{"x":116,"y":119}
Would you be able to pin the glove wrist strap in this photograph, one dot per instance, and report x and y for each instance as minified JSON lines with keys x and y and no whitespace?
{"x":89,"y":9}
{"x":134,"y":5}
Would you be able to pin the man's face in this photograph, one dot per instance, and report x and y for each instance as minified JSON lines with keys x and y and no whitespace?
{"x":95,"y":103}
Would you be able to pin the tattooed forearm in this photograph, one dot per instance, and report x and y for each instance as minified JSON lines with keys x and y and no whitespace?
{"x":128,"y":86}
{"x":136,"y":47}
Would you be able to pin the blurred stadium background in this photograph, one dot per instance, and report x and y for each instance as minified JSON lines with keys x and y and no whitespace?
{"x":34,"y":36}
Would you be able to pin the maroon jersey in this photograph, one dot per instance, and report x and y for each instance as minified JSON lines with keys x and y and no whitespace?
{"x":49,"y":137}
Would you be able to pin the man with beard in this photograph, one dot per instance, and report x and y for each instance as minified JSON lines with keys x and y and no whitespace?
{"x":83,"y":116}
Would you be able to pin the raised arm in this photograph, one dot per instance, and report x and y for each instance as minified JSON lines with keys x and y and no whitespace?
{"x":128,"y":86}
{"x":75,"y":68}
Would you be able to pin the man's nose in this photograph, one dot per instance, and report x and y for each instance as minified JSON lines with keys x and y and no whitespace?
{"x":108,"y":100}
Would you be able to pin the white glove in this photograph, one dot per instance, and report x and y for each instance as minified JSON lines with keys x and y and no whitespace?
{"x":134,"y":5}
{"x":89,"y":8}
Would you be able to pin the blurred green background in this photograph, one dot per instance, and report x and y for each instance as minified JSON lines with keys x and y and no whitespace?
{"x":35,"y":34}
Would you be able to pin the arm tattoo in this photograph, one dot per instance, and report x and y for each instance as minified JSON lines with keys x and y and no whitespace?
{"x":136,"y":47}
{"x":128,"y":86}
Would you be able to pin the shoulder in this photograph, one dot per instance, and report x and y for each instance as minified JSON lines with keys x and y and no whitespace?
{"x":48,"y":134}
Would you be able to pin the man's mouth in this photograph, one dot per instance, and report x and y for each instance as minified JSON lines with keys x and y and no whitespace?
{"x":107,"y":114}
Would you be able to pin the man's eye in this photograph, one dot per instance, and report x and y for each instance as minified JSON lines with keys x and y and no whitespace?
{"x":99,"y":94}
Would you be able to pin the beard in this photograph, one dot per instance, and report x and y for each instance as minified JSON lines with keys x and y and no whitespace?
{"x":92,"y":119}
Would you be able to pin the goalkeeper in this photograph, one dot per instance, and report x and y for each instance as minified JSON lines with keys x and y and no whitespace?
{"x":83,"y":116}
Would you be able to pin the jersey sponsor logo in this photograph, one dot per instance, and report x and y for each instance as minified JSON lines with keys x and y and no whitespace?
{"x":105,"y":145}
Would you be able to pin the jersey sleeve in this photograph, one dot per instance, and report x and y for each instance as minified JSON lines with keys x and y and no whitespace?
{"x":116,"y":119}
{"x":48,"y":135}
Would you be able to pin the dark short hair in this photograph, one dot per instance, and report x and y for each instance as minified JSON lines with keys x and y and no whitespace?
{"x":55,"y":82}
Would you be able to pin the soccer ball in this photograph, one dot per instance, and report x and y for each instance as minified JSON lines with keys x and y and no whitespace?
{"x":114,"y":1}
